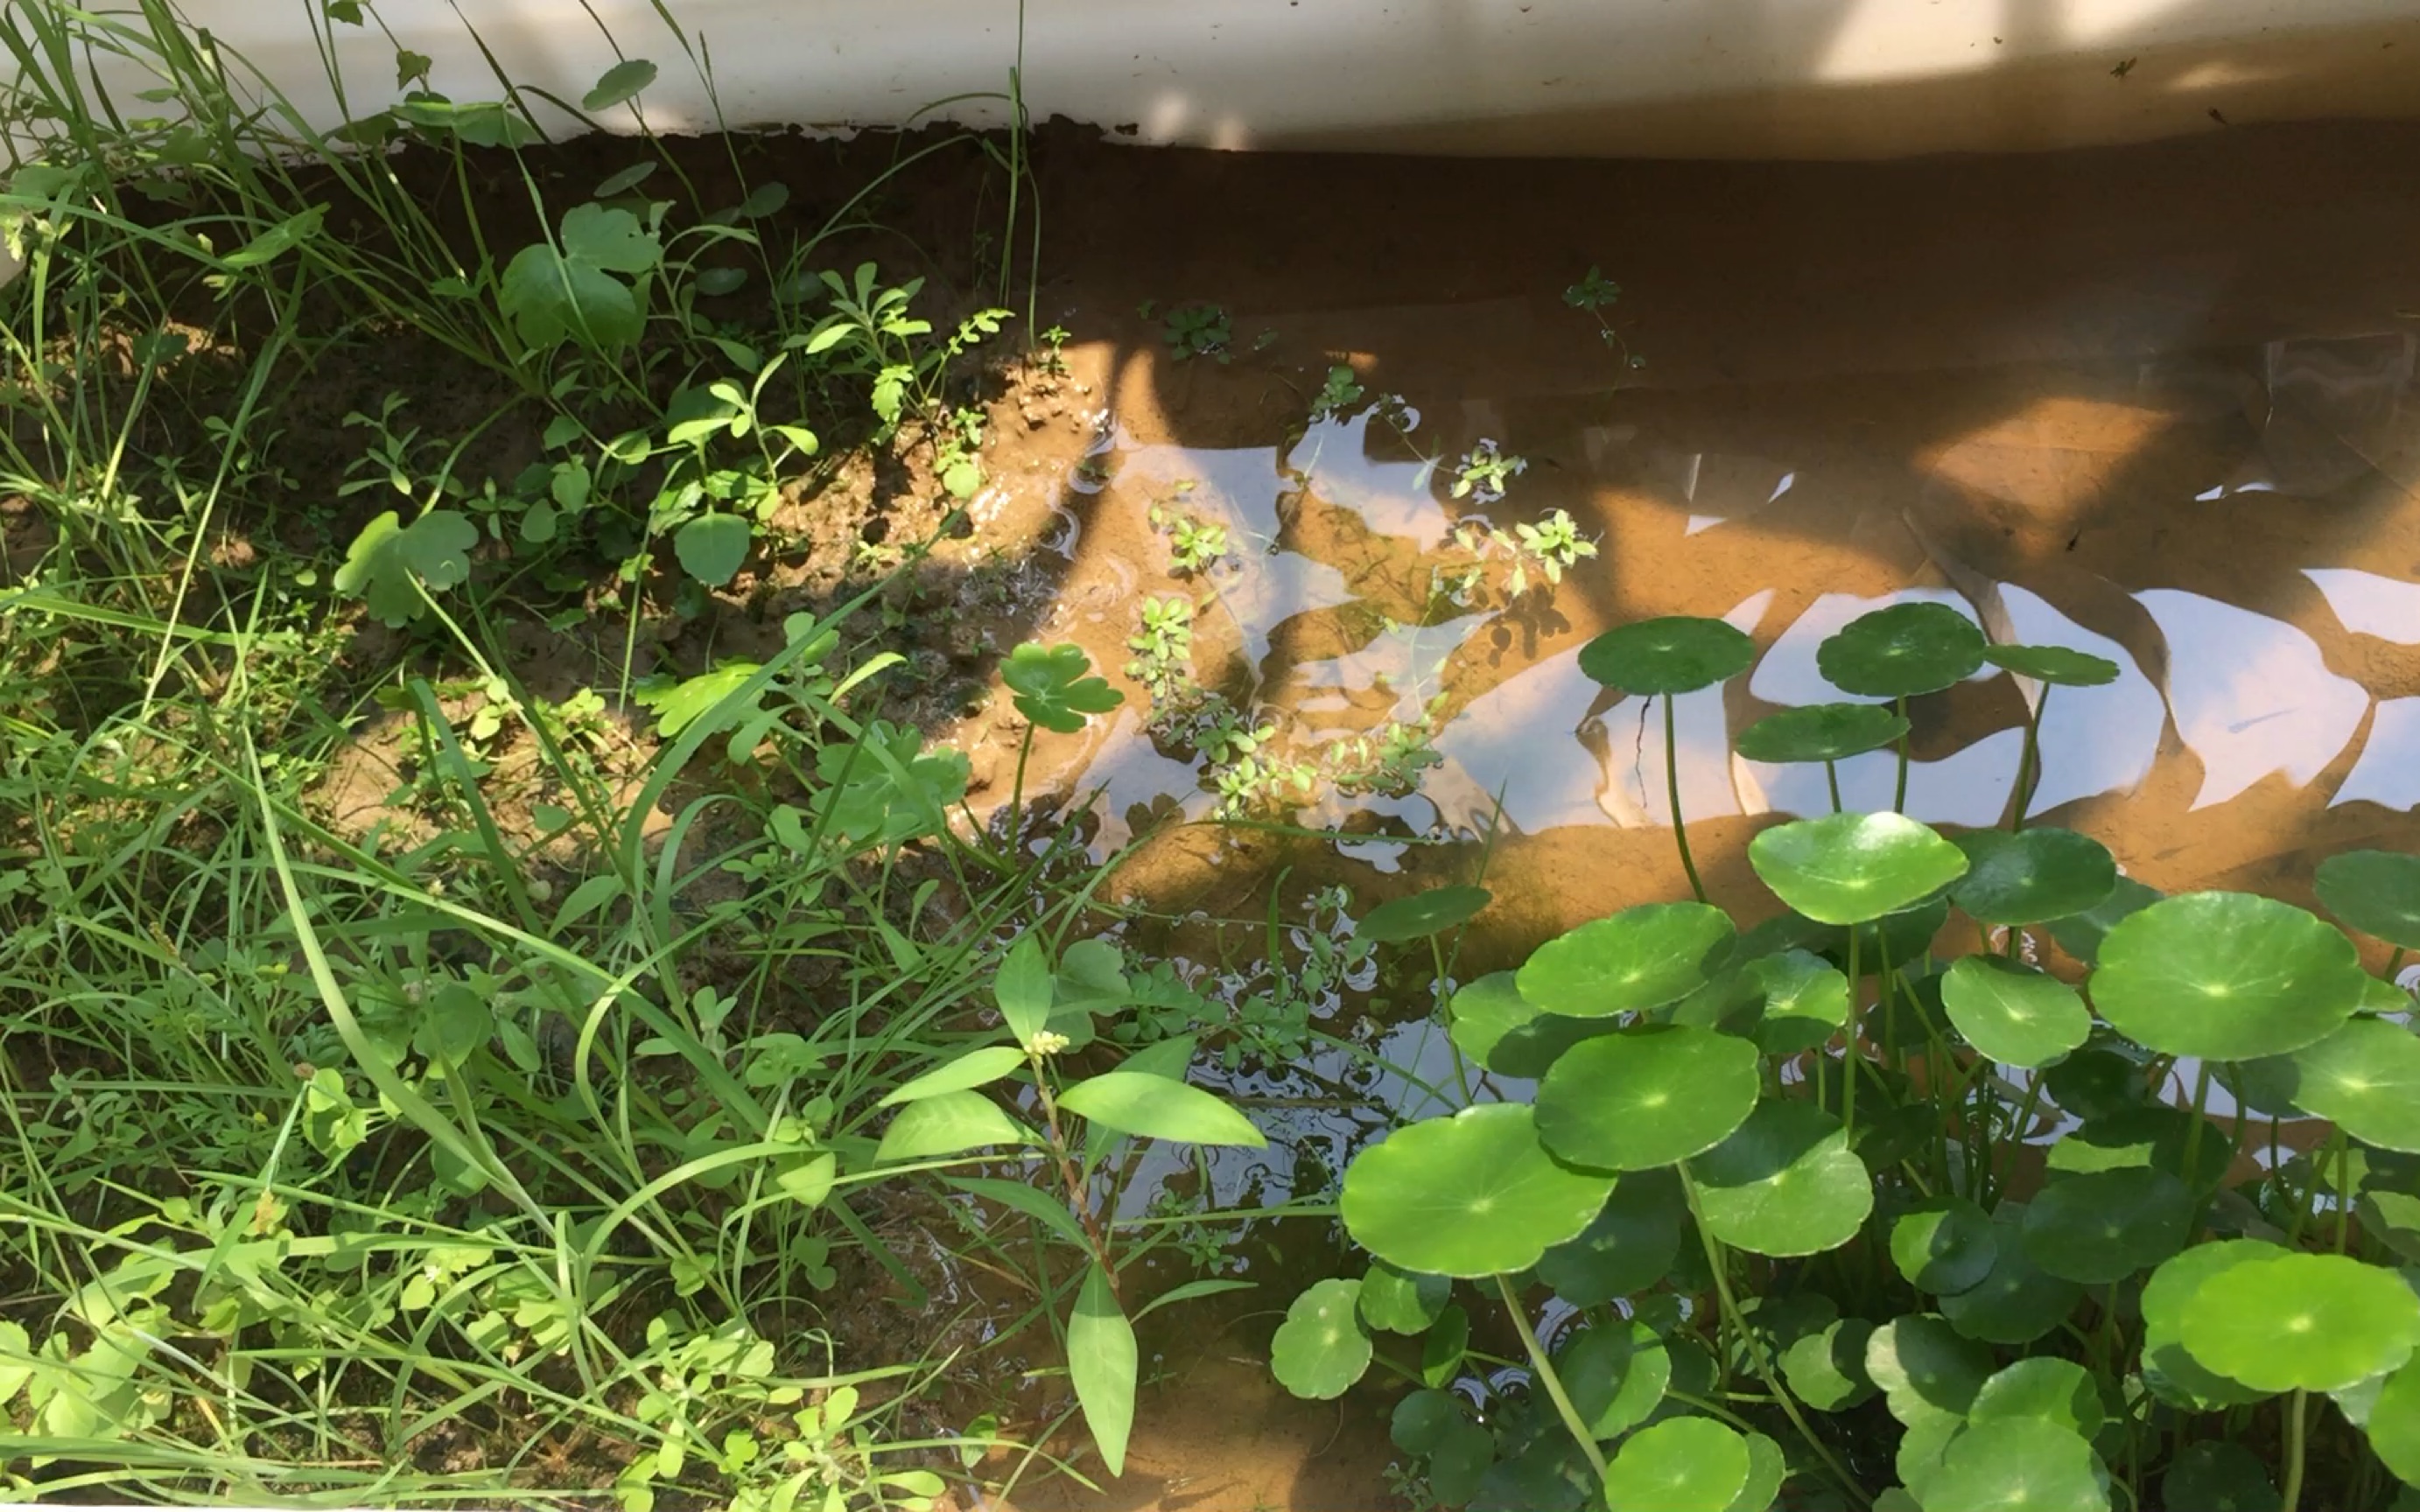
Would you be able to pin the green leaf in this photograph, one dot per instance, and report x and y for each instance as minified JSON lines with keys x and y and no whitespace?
{"x":278,"y":239}
{"x":1853,"y":868}
{"x":1767,"y":1467}
{"x":945,"y":1125}
{"x":2213,"y":1475}
{"x":1458,"y":1461}
{"x":1501,"y":1029}
{"x":1826,"y":1368}
{"x":2376,"y":892}
{"x":712,"y":546}
{"x":2014,"y":1013}
{"x":1902,"y":650}
{"x":2366,"y":1079}
{"x":1153,"y":1107}
{"x":2021,"y":1464}
{"x":1052,"y":689}
{"x":2081,"y":934}
{"x":1444,"y":1345}
{"x":2302,"y":1323}
{"x":1820,"y":732}
{"x":1643,"y":957}
{"x":1023,"y":987}
{"x":2095,"y":1084}
{"x":2055,"y":1391}
{"x":384,"y":560}
{"x":1422,"y":1420}
{"x":1398,"y":1302}
{"x":1101,"y":1360}
{"x":680,"y":704}
{"x":1683,"y":1464}
{"x":1805,"y":1001}
{"x":454,"y":1022}
{"x":1677,"y":653}
{"x":976,"y":1068}
{"x":2394,"y":1425}
{"x":1626,"y":1248}
{"x":888,"y":789}
{"x":2226,"y":975}
{"x":1423,"y":914}
{"x":556,"y":292}
{"x":1468,"y":1195}
{"x":1648,"y":1097}
{"x":1924,"y":1368}
{"x":1616,"y":1374}
{"x":2033,"y":875}
{"x":621,"y":83}
{"x":624,"y":180}
{"x":1785,"y":1184}
{"x":14,"y":1347}
{"x":2057,"y":665}
{"x":1944,"y":1246}
{"x":2171,"y":1370}
{"x":1048,"y":1211}
{"x":1320,"y":1350}
{"x":2108,"y":1224}
{"x":2016,"y":1302}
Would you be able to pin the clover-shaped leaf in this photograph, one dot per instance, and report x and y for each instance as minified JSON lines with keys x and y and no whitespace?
{"x":566,"y":288}
{"x":887,"y":788}
{"x":1051,"y":687}
{"x":385,"y":558}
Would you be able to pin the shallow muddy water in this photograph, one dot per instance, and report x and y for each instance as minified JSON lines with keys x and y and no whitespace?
{"x":2158,"y":404}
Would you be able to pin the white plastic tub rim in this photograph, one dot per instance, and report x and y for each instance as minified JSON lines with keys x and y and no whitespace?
{"x":1729,"y":78}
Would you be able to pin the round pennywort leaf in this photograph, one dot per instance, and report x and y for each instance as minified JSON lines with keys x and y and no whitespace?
{"x":1423,"y":914}
{"x":2013,"y":1013}
{"x":1902,"y":650}
{"x":1850,"y":868}
{"x":1677,"y":653}
{"x":2108,"y":1224}
{"x":2365,"y":1077}
{"x":1646,"y":1098}
{"x":1321,"y":1348}
{"x":2226,"y":975}
{"x":1641,"y":958}
{"x":1820,"y":732}
{"x":2376,"y":892}
{"x":2056,"y":665}
{"x":1468,"y":1195}
{"x":2056,"y":1391}
{"x":1400,"y":1301}
{"x":2302,"y":1323}
{"x":2033,"y":875}
{"x":1784,"y":1183}
{"x":1944,"y":1246}
{"x":2019,"y":1464}
{"x":1683,"y":1464}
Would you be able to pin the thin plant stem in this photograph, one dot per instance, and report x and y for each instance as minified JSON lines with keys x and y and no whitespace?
{"x":2292,"y":1498}
{"x":1553,"y":1382}
{"x":1719,"y":1264}
{"x":1849,"y":1054}
{"x":1673,"y":784}
{"x":1899,"y":795}
{"x":2029,"y":762}
{"x":1832,"y":779}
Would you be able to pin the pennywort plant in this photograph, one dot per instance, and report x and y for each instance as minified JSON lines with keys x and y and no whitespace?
{"x":1830,"y":1218}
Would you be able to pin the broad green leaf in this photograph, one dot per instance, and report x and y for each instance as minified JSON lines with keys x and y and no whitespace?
{"x":2033,"y":875}
{"x":1677,"y":653}
{"x":1549,"y":1474}
{"x":1051,"y":686}
{"x":1154,"y":1107}
{"x":1423,"y":914}
{"x":1925,"y":1369}
{"x":386,"y":558}
{"x":887,"y":789}
{"x":454,"y":1023}
{"x":1805,"y":1001}
{"x":2376,"y":892}
{"x":1767,"y":1467}
{"x":2057,"y":665}
{"x":2015,"y":1303}
{"x":2014,"y":1013}
{"x":2095,"y":1084}
{"x":2104,"y":1227}
{"x":574,"y":288}
{"x":1902,"y":650}
{"x":948,"y":1124}
{"x":1944,"y":1246}
{"x":1321,"y":1348}
{"x":1501,"y":1029}
{"x":678,"y":705}
{"x":2366,"y":1078}
{"x":1826,"y":1369}
{"x":2171,"y":1370}
{"x":619,"y":85}
{"x":2302,"y":1323}
{"x":1101,"y":1360}
{"x":1648,"y":1097}
{"x":2018,"y":1464}
{"x":2055,"y":1391}
{"x":1682,"y":1464}
{"x":1820,"y":732}
{"x":1784,"y":1183}
{"x":1626,"y":1248}
{"x":2213,"y":1475}
{"x":1444,"y":1345}
{"x":1023,"y":988}
{"x":2080,"y":935}
{"x":15,"y":1356}
{"x":1468,"y":1195}
{"x":2226,"y":975}
{"x":1852,"y":868}
{"x":1461,"y":1457}
{"x":976,"y":1068}
{"x":1421,"y":1420}
{"x":2394,"y":1425}
{"x":1616,"y":1374}
{"x":1398,"y":1302}
{"x":712,"y":546}
{"x":1643,"y":957}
